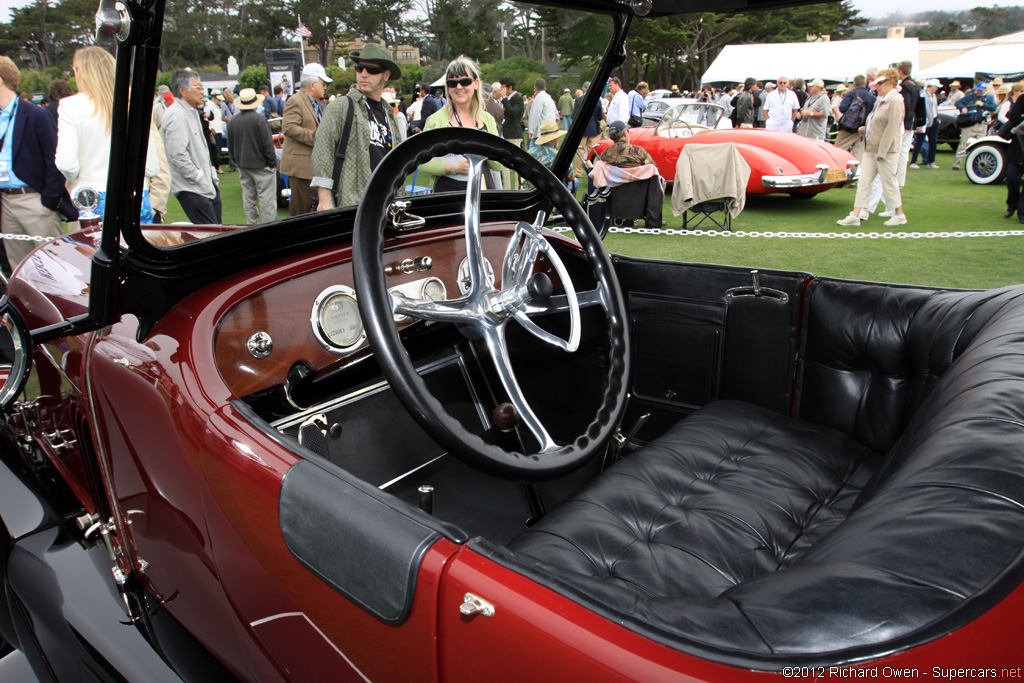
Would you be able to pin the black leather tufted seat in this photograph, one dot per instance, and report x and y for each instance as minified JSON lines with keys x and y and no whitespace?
{"x":891,"y":513}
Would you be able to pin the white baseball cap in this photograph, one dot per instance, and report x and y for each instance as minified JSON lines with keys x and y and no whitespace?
{"x":314,"y":69}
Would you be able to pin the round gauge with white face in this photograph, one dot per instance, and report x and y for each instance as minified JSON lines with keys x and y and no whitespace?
{"x":433,"y":290}
{"x":336,"y":322}
{"x":464,"y":274}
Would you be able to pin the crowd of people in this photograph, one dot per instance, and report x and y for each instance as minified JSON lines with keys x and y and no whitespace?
{"x":330,"y":146}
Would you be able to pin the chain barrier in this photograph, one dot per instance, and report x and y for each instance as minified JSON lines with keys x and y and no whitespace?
{"x":811,"y":235}
{"x":25,"y":238}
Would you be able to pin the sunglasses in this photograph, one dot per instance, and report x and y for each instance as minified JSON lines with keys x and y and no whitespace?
{"x":372,"y":69}
{"x":465,"y":82}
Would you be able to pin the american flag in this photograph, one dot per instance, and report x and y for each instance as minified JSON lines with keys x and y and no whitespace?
{"x":303,"y":31}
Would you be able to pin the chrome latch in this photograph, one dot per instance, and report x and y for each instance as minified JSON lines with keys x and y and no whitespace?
{"x":400,"y":220}
{"x":474,"y":604}
{"x":757,"y":291}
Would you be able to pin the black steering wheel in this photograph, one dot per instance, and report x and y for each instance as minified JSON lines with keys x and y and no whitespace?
{"x":485,"y":310}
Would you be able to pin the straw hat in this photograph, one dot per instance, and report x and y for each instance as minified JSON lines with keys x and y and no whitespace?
{"x":248,"y":99}
{"x":549,"y":131}
{"x":841,"y":88}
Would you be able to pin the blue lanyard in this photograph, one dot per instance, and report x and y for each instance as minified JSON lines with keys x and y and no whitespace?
{"x":10,"y":122}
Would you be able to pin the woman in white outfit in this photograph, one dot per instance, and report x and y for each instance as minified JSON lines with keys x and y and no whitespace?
{"x":83,"y":126}
{"x":882,"y":151}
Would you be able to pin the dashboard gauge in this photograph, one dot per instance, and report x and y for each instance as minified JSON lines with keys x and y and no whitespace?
{"x":433,"y":290}
{"x":464,"y":274}
{"x":428,"y":289}
{"x":336,"y":322}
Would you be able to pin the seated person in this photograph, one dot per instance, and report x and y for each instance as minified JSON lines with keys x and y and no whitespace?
{"x":635,"y":186}
{"x":622,"y":153}
{"x":545,"y":150}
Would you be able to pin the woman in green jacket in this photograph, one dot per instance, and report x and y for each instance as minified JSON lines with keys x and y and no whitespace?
{"x":465,"y":109}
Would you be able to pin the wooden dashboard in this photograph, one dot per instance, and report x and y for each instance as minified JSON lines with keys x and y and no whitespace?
{"x":283,"y":312}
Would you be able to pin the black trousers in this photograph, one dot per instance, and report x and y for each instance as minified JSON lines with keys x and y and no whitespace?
{"x":1014,"y":198}
{"x":199,"y":209}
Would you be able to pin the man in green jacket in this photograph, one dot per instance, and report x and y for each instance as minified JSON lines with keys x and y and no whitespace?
{"x":373,"y":133}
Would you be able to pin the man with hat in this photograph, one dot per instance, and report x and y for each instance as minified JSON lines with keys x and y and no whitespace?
{"x":251,"y":149}
{"x":160,"y":104}
{"x":837,"y":98}
{"x":303,"y":112}
{"x":357,"y":131}
{"x":955,"y":93}
{"x":930,"y":130}
{"x":813,"y":117}
{"x":545,"y":150}
{"x":976,"y":102}
{"x":565,"y":103}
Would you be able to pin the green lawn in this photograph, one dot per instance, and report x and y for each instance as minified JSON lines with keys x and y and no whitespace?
{"x":934,"y":200}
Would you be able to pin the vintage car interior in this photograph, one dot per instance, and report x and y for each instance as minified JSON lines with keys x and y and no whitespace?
{"x":456,"y":428}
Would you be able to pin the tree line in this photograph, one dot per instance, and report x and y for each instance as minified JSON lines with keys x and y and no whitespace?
{"x":202,"y":34}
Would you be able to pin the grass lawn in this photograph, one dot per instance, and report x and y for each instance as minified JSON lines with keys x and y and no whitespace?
{"x":934,"y":200}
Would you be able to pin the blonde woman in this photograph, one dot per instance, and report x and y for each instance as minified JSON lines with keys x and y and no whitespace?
{"x":83,"y":125}
{"x":465,"y":109}
{"x":881,"y":151}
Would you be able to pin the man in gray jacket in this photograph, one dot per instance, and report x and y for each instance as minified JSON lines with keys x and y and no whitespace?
{"x":251,"y":150}
{"x":193,"y":178}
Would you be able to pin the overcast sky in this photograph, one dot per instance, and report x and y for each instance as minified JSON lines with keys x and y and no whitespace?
{"x":868,"y":8}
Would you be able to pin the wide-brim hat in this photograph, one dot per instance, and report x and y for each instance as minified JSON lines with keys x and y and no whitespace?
{"x":956,"y":83}
{"x":549,"y":131}
{"x":841,"y":88}
{"x":248,"y":99}
{"x":377,"y":54}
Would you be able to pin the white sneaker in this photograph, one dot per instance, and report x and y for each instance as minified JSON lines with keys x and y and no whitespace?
{"x":933,"y":165}
{"x":899,"y":219}
{"x":888,"y":213}
{"x":849,"y":220}
{"x":914,"y":166}
{"x":864,"y":215}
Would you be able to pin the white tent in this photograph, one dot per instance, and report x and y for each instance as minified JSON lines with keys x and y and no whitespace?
{"x":836,"y":61}
{"x":1002,"y":55}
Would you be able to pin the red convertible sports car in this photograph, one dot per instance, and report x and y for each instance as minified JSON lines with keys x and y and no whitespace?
{"x":434,"y":440}
{"x":779,"y":162}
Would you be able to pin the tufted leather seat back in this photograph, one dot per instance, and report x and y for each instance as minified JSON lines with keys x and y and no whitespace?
{"x":759,"y":540}
{"x":872,"y":353}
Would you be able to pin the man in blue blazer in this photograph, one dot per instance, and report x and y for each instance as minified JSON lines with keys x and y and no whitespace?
{"x":32,"y":192}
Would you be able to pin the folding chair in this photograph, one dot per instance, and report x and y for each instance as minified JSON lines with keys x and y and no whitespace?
{"x":711,"y":185}
{"x":707,"y":212}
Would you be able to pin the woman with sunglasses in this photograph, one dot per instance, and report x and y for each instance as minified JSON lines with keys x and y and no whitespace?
{"x":465,"y":109}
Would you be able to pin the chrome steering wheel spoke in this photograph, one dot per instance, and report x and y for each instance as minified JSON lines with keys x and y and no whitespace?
{"x":494,"y":338}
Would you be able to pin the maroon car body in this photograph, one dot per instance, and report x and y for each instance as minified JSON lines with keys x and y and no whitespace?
{"x":459,"y":445}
